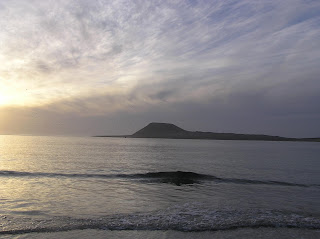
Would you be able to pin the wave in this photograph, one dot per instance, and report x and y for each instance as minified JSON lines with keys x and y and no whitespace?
{"x":189,"y":218}
{"x":174,"y":177}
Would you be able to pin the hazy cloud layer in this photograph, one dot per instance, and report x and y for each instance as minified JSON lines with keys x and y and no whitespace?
{"x":108,"y":66}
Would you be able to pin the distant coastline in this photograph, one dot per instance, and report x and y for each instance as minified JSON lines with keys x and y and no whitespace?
{"x":171,"y":131}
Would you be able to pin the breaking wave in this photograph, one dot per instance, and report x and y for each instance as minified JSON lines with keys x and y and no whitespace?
{"x":187,"y":217}
{"x":174,"y":177}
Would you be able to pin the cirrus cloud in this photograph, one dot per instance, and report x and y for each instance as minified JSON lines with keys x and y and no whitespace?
{"x":119,"y":59}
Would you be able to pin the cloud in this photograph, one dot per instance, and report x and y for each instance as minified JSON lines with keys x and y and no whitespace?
{"x":97,"y":58}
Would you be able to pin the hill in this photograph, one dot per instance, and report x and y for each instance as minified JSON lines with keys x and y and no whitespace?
{"x":160,"y":130}
{"x":165,"y":130}
{"x":171,"y":131}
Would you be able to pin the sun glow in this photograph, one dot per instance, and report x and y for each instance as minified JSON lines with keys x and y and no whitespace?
{"x":4,"y":100}
{"x":15,"y":92}
{"x":8,"y":97}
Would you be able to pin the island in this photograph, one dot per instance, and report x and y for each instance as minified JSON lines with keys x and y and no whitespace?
{"x":171,"y":131}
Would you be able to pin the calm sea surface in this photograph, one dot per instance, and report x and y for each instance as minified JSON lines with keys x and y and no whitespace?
{"x":158,"y":188}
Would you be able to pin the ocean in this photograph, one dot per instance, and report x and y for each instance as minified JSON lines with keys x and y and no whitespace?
{"x":81,"y":187}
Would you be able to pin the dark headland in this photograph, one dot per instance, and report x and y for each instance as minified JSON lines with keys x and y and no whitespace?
{"x":171,"y":131}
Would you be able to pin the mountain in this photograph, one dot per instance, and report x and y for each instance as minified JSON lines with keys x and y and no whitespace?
{"x":160,"y":130}
{"x":165,"y":130}
{"x":171,"y":131}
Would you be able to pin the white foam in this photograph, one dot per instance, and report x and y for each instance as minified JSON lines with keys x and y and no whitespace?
{"x":187,"y":217}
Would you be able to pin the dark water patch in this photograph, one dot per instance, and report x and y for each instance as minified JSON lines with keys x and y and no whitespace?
{"x":176,"y":177}
{"x":185,"y":218}
{"x":172,"y":177}
{"x":29,"y":212}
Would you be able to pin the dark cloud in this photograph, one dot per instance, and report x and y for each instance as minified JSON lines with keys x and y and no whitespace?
{"x":43,"y":67}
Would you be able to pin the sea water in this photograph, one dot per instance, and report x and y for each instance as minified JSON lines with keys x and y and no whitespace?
{"x":71,"y":187}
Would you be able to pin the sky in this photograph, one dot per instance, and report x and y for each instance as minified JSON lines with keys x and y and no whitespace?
{"x":88,"y":67}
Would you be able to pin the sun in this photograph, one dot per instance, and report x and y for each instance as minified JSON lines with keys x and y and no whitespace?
{"x":4,"y":100}
{"x":8,"y":98}
{"x":19,"y":97}
{"x":12,"y":95}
